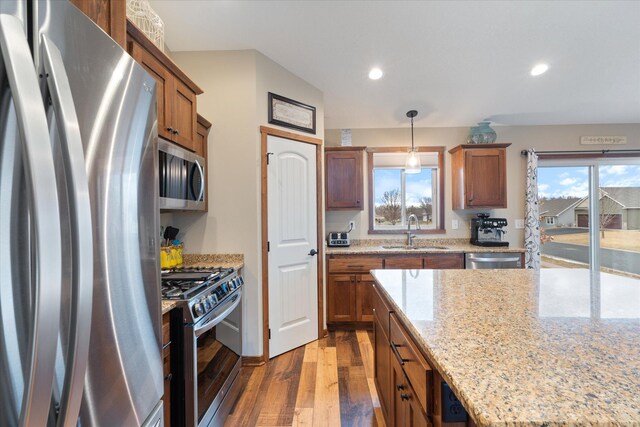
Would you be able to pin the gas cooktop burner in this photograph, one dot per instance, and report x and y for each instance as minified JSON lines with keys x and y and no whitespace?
{"x":185,"y":283}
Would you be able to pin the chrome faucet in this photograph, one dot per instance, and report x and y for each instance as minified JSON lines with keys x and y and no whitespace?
{"x":410,"y":236}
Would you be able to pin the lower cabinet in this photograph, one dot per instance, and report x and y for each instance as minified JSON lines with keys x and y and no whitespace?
{"x":406,"y":410}
{"x":349,"y":284}
{"x":394,"y":361}
{"x":349,"y":298}
{"x":382,"y":367}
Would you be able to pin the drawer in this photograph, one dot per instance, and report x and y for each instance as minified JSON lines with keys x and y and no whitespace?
{"x":413,"y":364}
{"x":442,"y":261}
{"x":353,"y":265}
{"x":381,"y":310}
{"x":403,"y":262}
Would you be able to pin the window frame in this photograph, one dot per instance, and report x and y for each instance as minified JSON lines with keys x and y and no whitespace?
{"x":439,"y":226}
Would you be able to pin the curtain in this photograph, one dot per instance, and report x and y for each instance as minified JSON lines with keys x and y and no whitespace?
{"x":532,"y":214}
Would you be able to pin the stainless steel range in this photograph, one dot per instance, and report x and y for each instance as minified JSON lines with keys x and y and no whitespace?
{"x":209,"y":329}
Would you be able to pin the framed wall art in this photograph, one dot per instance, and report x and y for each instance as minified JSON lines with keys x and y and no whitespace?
{"x":292,"y":114}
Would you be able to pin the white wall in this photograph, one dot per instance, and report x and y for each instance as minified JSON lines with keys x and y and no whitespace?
{"x":522,"y":137}
{"x":235,"y":85}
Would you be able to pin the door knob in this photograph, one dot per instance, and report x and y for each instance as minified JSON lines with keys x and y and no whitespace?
{"x":312,"y":252}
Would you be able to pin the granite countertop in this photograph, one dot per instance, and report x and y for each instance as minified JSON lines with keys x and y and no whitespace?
{"x":520,"y":348}
{"x":213,"y":260}
{"x":375,"y":246}
{"x":167,"y":305}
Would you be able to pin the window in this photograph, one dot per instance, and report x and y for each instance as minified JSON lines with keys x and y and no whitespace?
{"x":597,"y":203}
{"x":549,"y":220}
{"x":395,"y":195}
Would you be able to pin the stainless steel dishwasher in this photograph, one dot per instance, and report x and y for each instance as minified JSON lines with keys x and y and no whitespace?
{"x":478,"y":260}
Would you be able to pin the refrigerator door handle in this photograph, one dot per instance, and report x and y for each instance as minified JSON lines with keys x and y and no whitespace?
{"x":81,"y":239}
{"x":44,"y":219}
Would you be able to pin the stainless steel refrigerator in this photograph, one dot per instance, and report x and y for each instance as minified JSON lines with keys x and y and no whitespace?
{"x":80,"y":319}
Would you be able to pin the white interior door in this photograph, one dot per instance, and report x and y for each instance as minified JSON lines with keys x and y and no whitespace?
{"x":293,"y":222}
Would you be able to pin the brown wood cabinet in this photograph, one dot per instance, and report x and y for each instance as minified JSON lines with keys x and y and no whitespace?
{"x":344,"y":175}
{"x":349,"y":284}
{"x":349,"y":298}
{"x":444,"y":260}
{"x":166,"y":365}
{"x":201,"y":148}
{"x":349,"y":290}
{"x":364,"y":290}
{"x":110,"y":15}
{"x":408,"y":387}
{"x":401,"y":374}
{"x":202,"y":137}
{"x":381,"y":353}
{"x":341,"y":298}
{"x":479,"y":176}
{"x":176,"y":92}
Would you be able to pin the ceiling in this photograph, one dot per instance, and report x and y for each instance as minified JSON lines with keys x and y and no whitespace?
{"x":455,"y":62}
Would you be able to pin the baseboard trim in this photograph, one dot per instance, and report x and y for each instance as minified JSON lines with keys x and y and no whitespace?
{"x":341,"y":326}
{"x":253,"y":361}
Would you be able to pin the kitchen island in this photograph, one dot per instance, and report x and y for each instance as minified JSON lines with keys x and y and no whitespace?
{"x":520,"y":348}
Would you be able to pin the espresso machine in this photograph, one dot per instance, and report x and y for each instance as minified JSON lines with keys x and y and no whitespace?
{"x":487,"y":231}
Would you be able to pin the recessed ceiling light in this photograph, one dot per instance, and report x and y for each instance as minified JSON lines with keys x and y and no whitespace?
{"x":375,"y":73}
{"x":539,"y":69}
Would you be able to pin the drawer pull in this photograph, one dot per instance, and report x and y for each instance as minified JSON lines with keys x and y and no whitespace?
{"x":168,"y":377}
{"x":394,"y":347}
{"x":356,"y":266}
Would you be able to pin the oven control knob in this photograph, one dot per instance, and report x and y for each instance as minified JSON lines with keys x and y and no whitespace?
{"x":233,"y":284}
{"x":241,"y":280}
{"x":214,"y":299}
{"x":197,"y":307}
{"x":211,"y":300}
{"x":206,"y":304}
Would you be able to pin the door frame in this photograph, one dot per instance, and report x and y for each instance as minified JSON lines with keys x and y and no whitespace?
{"x":265,"y":132}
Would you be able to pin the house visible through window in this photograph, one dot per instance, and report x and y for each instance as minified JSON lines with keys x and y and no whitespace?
{"x":396,"y":195}
{"x":594,"y":207}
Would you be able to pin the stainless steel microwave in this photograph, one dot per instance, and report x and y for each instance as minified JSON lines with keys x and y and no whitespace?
{"x":182,"y":178}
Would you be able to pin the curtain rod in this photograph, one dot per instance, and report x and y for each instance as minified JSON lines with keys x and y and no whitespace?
{"x":524,"y":152}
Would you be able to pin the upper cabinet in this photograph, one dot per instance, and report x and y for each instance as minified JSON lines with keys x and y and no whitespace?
{"x":344,"y":178}
{"x":176,"y":93}
{"x":479,"y":176}
{"x":110,"y":15}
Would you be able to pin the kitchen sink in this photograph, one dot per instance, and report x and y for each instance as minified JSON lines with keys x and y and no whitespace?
{"x":406,"y":247}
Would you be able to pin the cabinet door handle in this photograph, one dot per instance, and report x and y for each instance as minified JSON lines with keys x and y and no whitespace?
{"x":168,"y":377}
{"x":404,"y":396}
{"x":394,"y":347}
{"x":170,"y":129}
{"x":177,"y":132}
{"x":400,"y":387}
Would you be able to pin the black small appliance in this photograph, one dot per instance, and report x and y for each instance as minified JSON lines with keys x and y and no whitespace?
{"x":487,"y":231}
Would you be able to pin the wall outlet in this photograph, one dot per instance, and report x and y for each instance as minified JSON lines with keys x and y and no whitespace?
{"x":519,"y":224}
{"x":352,"y":225}
{"x":454,"y":224}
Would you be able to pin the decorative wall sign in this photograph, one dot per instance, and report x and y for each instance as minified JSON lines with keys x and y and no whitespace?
{"x":345,"y":137}
{"x":603,"y":140}
{"x":292,"y":114}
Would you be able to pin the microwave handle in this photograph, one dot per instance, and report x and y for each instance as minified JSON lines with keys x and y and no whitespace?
{"x":200,"y":197}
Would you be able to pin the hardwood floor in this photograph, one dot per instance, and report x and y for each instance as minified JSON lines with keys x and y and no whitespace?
{"x":328,"y":382}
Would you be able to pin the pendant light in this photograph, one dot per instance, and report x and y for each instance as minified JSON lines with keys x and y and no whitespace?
{"x":412,"y":164}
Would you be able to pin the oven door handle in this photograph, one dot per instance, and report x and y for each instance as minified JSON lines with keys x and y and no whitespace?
{"x":231,"y":305}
